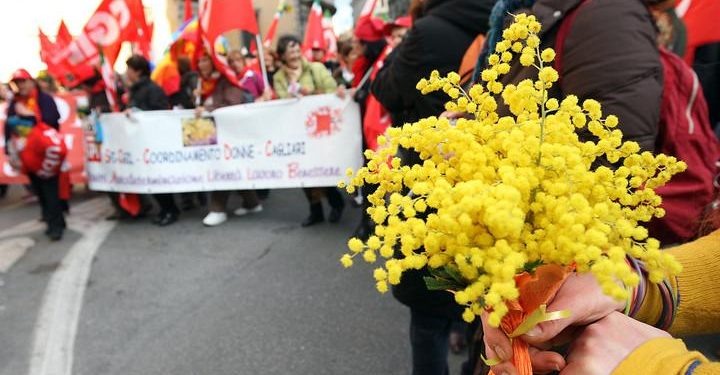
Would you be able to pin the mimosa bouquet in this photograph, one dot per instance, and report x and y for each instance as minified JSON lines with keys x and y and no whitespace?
{"x":501,"y":209}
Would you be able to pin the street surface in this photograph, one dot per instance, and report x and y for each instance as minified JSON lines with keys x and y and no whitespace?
{"x":258,"y":295}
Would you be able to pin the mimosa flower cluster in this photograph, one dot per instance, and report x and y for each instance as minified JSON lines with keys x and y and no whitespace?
{"x":497,"y":196}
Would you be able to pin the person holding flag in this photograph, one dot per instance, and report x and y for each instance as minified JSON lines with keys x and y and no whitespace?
{"x":218,"y":91}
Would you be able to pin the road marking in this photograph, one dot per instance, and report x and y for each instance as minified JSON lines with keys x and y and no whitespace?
{"x":12,"y":250}
{"x":56,"y":326}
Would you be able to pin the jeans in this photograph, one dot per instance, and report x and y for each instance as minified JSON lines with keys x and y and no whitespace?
{"x":429,"y":342}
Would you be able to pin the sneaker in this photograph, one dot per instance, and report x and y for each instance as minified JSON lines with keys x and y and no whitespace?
{"x":242,"y":211}
{"x":214,"y":219}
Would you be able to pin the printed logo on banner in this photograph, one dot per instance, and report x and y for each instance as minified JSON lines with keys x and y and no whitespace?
{"x":199,"y":131}
{"x":324,"y":121}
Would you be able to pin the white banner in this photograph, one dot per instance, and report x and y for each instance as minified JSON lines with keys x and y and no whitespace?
{"x":306,"y":142}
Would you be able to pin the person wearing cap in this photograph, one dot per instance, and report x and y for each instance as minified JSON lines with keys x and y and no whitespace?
{"x":29,"y":107}
{"x":396,"y":30}
{"x":368,"y":43}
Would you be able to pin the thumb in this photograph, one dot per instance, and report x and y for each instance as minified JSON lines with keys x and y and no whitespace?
{"x":546,"y":331}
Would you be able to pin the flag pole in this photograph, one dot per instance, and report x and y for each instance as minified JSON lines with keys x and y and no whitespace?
{"x":261,"y":55}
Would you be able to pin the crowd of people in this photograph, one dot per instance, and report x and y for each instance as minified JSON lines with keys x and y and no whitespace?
{"x":611,"y":51}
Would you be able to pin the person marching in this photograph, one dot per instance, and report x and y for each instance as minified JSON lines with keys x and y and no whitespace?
{"x":31,"y":108}
{"x":298,"y":78}
{"x":218,"y":91}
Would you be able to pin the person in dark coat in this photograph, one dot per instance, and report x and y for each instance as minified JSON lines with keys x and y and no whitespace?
{"x":185,"y":99}
{"x":146,"y":95}
{"x":27,"y":107}
{"x":625,"y":77}
{"x":438,"y":40}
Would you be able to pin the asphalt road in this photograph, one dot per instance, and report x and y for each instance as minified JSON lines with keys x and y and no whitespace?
{"x":258,"y":295}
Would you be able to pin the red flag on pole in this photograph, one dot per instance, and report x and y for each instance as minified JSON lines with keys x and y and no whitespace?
{"x":46,"y":46}
{"x":48,"y":50}
{"x":314,"y":38}
{"x":329,"y":36}
{"x":140,"y":33}
{"x":220,"y":16}
{"x":188,"y":11}
{"x":272,"y":30}
{"x":700,"y":17}
{"x":112,"y":23}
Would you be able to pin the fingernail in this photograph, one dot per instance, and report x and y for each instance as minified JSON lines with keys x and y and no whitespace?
{"x":500,"y":353}
{"x":534,"y":332}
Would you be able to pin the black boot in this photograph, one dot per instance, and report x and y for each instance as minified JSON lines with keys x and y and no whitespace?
{"x":337,"y":202}
{"x":316,"y":215}
{"x":364,"y":229}
{"x":336,"y":214}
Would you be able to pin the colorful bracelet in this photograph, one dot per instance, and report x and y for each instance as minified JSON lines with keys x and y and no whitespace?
{"x":670,"y":298}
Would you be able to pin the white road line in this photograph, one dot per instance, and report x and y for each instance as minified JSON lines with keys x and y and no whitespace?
{"x":56,"y":326}
{"x":12,"y":250}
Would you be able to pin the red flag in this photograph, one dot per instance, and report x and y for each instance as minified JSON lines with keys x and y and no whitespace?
{"x":141,"y":32}
{"x":48,"y":50}
{"x":130,"y":203}
{"x":110,"y":25}
{"x":700,"y":17}
{"x":108,"y":76}
{"x":188,"y":11}
{"x":272,"y":30}
{"x":314,"y":38}
{"x":63,"y":37}
{"x":376,"y":119}
{"x":46,"y":46}
{"x":220,"y":16}
{"x":329,"y":36}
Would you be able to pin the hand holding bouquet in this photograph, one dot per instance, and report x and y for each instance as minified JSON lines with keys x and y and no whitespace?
{"x":502,"y":209}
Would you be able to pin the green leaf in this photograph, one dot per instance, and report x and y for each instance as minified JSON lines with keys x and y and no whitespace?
{"x":531,"y":266}
{"x":433,"y":283}
{"x":454,"y":273}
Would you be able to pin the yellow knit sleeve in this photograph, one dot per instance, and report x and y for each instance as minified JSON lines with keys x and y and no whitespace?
{"x":699,"y":309}
{"x":664,"y":356}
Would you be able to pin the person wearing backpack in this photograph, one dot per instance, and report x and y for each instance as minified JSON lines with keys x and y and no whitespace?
{"x":607,"y":50}
{"x":31,"y":130}
{"x":298,"y":77}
